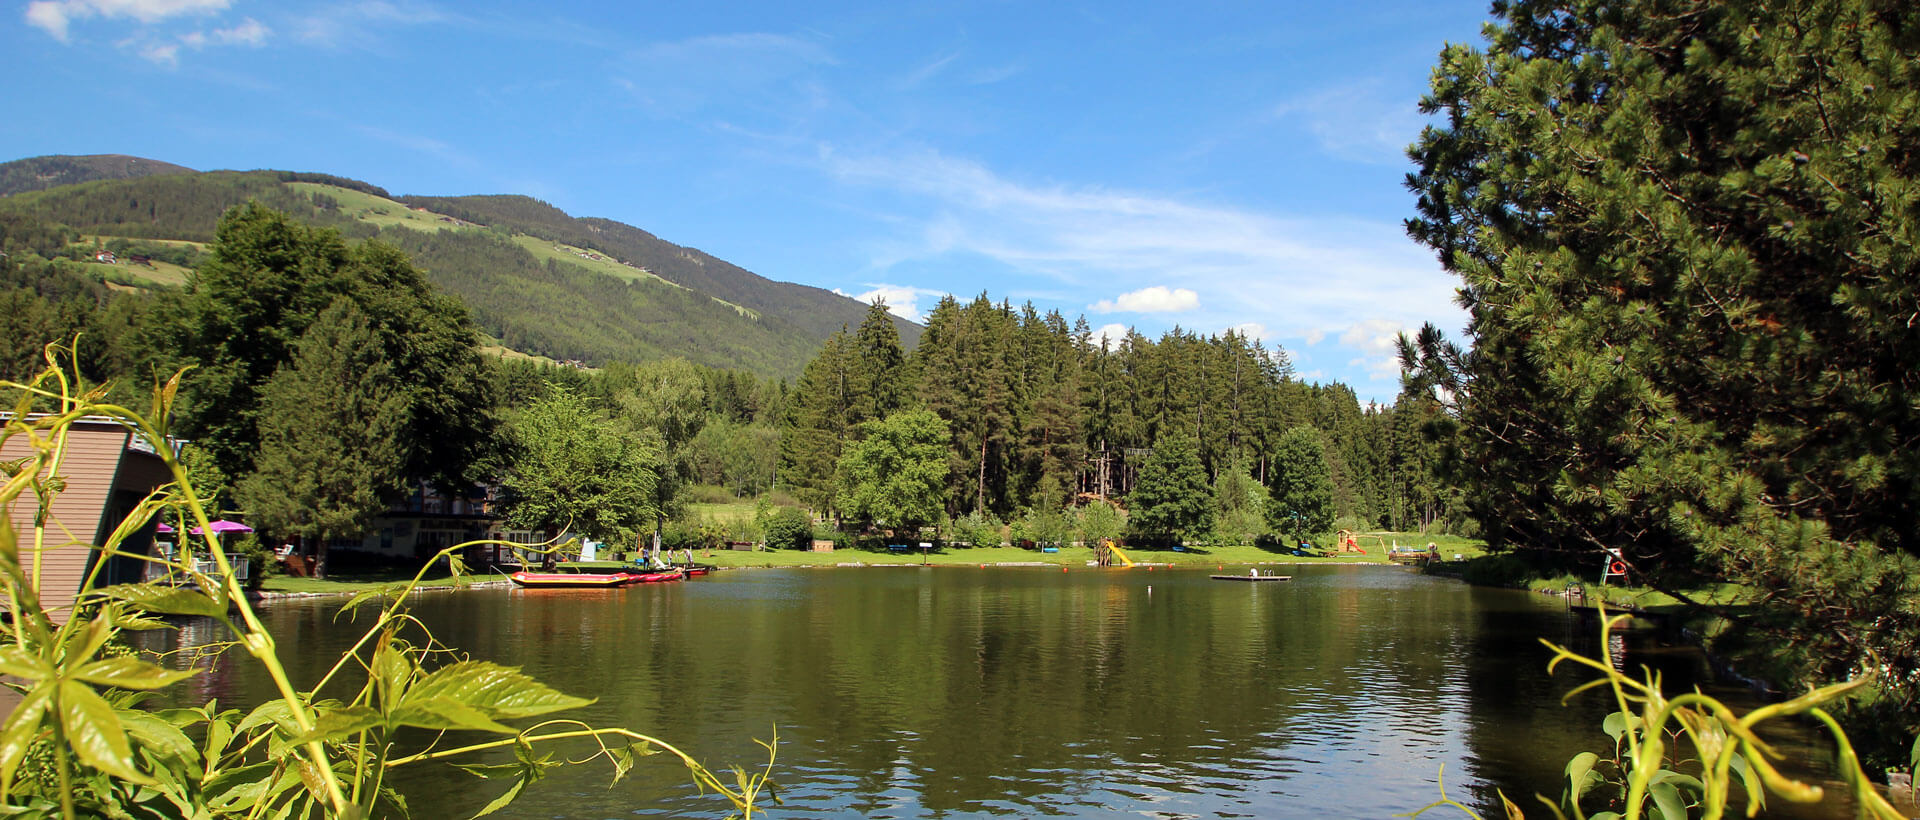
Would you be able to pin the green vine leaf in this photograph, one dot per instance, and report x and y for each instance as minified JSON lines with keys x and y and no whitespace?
{"x":446,"y":713}
{"x":165,"y":600}
{"x":130,"y":673}
{"x":342,"y":722}
{"x":22,"y":728}
{"x":20,"y":664}
{"x":1667,"y":802}
{"x":496,"y":691}
{"x":95,"y":733}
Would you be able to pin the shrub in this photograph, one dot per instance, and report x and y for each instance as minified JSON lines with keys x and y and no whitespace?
{"x":977,"y":530}
{"x":788,"y":528}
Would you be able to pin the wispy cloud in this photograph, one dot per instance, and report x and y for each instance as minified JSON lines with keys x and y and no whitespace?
{"x":438,"y":149}
{"x":1156,"y":299}
{"x":932,"y":68}
{"x":1361,"y":122}
{"x":1308,"y":277}
{"x":743,"y":70}
{"x":56,"y":17}
{"x":348,"y":23}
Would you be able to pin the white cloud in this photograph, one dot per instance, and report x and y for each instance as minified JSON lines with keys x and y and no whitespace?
{"x":1156,"y":299}
{"x":902,"y":300}
{"x":1113,"y":335}
{"x":1314,"y":335}
{"x":56,"y":17}
{"x":1376,"y":342}
{"x":1252,"y":330}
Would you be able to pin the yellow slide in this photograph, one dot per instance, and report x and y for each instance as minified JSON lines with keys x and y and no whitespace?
{"x":1121,"y":557}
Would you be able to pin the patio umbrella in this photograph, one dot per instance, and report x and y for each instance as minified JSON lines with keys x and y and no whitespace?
{"x":164,"y":527}
{"x":222,"y":527}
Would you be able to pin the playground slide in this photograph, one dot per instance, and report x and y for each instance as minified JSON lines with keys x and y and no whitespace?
{"x":1120,"y":558}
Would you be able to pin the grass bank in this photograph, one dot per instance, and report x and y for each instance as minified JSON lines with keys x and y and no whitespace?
{"x":1241,"y":555}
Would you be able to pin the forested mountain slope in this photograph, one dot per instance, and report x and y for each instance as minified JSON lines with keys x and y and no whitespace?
{"x":40,"y":173}
{"x":819,"y":311}
{"x":535,"y":278}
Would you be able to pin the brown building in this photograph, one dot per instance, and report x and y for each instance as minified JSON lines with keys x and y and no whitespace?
{"x":107,"y":471}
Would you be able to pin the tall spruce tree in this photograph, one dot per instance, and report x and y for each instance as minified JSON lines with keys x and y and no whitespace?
{"x":817,"y":425}
{"x":331,"y":426}
{"x":1686,"y":232}
{"x":880,"y":368}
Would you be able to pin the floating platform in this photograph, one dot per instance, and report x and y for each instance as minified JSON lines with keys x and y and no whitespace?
{"x":1252,"y":577}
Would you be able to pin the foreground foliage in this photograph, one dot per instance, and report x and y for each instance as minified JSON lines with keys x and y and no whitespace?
{"x":1651,"y":774}
{"x":79,"y":745}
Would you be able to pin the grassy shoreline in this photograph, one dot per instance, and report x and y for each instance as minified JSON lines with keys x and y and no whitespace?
{"x":1241,"y":555}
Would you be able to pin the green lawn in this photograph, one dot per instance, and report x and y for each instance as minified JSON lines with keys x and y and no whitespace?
{"x":1220,"y":557}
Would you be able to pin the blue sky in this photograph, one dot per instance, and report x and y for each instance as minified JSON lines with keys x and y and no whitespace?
{"x":1207,"y":165}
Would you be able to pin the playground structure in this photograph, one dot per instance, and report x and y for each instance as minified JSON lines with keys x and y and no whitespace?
{"x":1349,"y":541}
{"x":1109,"y":554}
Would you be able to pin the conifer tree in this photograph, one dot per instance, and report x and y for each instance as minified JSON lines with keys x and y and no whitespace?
{"x":817,"y":426}
{"x":880,"y":371}
{"x":331,"y":425}
{"x":1685,"y":237}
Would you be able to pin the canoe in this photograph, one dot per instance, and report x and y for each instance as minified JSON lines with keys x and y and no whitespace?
{"x":1252,"y":577}
{"x":657,"y":577}
{"x":572,"y":580}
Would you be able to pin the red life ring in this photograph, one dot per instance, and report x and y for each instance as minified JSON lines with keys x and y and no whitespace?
{"x":1617,"y":568}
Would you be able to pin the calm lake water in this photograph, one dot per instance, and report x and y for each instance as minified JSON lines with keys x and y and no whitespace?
{"x":960,"y":693}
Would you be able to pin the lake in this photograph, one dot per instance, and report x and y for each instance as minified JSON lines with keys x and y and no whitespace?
{"x":1021,"y":692}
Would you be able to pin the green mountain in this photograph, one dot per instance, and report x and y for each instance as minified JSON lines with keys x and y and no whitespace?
{"x":536,"y":279}
{"x":41,"y":173}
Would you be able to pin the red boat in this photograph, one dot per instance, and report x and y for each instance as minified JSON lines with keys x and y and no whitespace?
{"x":591,"y":580}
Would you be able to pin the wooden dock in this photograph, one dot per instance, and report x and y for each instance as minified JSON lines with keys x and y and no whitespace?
{"x":1252,"y":577}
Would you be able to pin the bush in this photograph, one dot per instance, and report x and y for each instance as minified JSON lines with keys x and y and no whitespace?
{"x":788,"y":528}
{"x":977,"y":530}
{"x":1042,"y":528}
{"x":1099,"y":520}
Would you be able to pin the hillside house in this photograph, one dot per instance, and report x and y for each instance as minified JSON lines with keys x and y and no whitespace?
{"x":107,"y":257}
{"x":107,"y":471}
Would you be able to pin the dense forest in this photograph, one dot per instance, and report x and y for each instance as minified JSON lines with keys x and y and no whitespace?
{"x":1042,"y":415}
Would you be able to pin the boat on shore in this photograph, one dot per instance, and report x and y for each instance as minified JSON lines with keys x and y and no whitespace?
{"x":591,"y":580}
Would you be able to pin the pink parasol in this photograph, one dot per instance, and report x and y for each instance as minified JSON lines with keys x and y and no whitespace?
{"x":222,"y":527}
